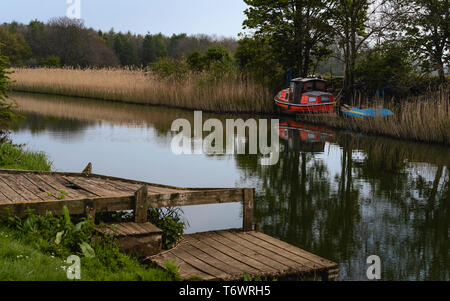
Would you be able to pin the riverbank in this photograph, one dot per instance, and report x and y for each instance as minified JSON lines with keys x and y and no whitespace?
{"x":196,"y":91}
{"x":423,"y":118}
{"x":30,"y":249}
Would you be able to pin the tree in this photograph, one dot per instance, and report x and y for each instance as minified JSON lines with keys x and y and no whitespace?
{"x":255,"y":57}
{"x":354,"y":22}
{"x":385,"y":67}
{"x":15,"y":46}
{"x":426,"y":29}
{"x":298,"y":31}
{"x":37,"y":38}
{"x":153,"y":47}
{"x":126,"y":50}
{"x":196,"y":61}
{"x":217,"y":54}
{"x":5,"y":115}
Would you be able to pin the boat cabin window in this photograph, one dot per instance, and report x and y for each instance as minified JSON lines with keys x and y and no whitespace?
{"x":308,"y":86}
{"x":320,"y":86}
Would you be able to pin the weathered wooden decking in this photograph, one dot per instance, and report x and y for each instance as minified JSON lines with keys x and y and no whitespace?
{"x":218,"y":255}
{"x":85,"y":193}
{"x":226,"y":255}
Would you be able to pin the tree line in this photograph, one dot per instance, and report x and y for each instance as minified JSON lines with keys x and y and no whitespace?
{"x":67,"y":42}
{"x":381,"y":45}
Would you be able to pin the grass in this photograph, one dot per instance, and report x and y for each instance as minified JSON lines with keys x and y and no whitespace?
{"x":20,"y":262}
{"x":35,"y":248}
{"x":15,"y":157}
{"x":230,"y":94}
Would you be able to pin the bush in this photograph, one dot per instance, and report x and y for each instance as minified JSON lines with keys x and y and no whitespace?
{"x":51,"y":62}
{"x":169,"y":221}
{"x":169,"y":68}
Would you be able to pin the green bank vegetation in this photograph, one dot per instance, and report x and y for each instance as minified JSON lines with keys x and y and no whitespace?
{"x":36,"y":247}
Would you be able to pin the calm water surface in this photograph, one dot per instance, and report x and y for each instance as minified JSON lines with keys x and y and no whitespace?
{"x":339,"y":195}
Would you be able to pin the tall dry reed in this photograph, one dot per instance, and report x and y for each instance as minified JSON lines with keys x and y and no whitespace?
{"x":424,"y":118}
{"x":228,"y":94}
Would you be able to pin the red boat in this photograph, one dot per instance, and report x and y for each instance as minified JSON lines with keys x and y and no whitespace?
{"x":306,"y":95}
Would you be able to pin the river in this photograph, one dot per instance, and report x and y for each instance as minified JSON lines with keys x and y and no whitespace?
{"x":342,"y":196}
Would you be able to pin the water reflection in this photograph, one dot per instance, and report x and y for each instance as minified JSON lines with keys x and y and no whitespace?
{"x":338,"y":195}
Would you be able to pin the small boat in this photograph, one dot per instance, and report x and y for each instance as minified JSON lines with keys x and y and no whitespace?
{"x":306,"y":95}
{"x":365,"y":113}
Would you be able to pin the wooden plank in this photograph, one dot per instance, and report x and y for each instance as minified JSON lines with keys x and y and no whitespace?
{"x":259,"y":260}
{"x":248,"y":209}
{"x":116,"y":185}
{"x":237,"y":264}
{"x":201,"y":197}
{"x":185,"y":269}
{"x":200,"y":265}
{"x":125,"y":229}
{"x":25,"y":183}
{"x":85,"y":184}
{"x":58,"y":185}
{"x":18,"y":188}
{"x":32,"y":186}
{"x":279,"y":251}
{"x":232,"y":271}
{"x":4,"y":198}
{"x":47,"y":189}
{"x":141,"y":207}
{"x":10,"y":193}
{"x":287,"y":262}
{"x":75,"y":206}
{"x":297,"y":251}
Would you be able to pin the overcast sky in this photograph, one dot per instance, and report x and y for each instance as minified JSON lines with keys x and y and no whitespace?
{"x":220,"y":17}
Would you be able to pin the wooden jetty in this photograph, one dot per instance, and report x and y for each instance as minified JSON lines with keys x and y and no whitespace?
{"x":217,"y":255}
{"x":226,"y":255}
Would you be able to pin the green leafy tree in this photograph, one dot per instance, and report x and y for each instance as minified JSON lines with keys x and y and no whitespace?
{"x":5,"y":114}
{"x":298,"y":31}
{"x":126,"y":50}
{"x":425,"y":26}
{"x":386,"y":67}
{"x":254,"y":57}
{"x":15,"y":47}
{"x":51,"y":61}
{"x":218,"y":55}
{"x":153,"y":47}
{"x":354,"y":22}
{"x":196,"y":61}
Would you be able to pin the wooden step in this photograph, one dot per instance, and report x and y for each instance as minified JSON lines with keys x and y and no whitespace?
{"x":142,"y":239}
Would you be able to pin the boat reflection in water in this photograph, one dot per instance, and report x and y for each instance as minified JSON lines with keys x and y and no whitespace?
{"x":304,"y":137}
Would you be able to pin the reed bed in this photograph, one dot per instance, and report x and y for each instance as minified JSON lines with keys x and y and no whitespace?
{"x":424,"y":118}
{"x":194,"y":91}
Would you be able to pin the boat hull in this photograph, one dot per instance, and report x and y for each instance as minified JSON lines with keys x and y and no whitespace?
{"x":366,"y":113}
{"x":305,"y":108}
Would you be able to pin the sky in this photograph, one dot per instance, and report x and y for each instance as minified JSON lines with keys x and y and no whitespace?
{"x":214,"y":17}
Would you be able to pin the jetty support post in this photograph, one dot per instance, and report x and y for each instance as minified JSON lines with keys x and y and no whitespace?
{"x":248,"y":209}
{"x":140,"y":212}
{"x":88,"y":169}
